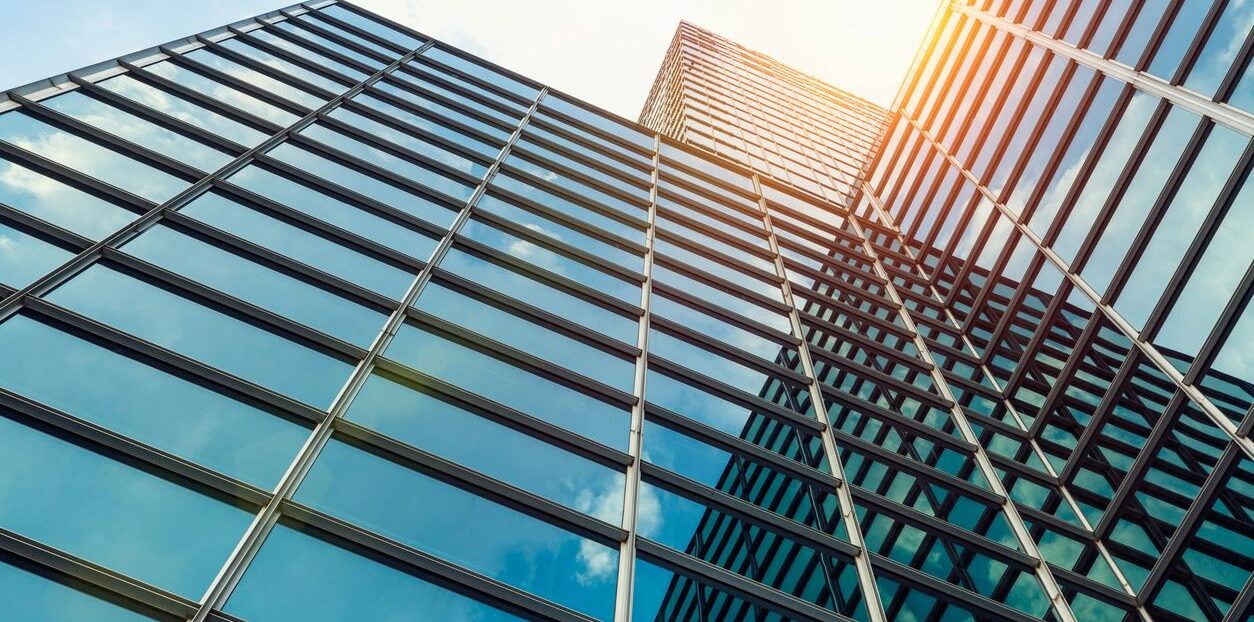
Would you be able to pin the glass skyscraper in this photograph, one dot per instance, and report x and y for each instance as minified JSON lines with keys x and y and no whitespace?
{"x":312,"y":317}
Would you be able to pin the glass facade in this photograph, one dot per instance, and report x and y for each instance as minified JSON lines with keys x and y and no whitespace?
{"x":312,"y":317}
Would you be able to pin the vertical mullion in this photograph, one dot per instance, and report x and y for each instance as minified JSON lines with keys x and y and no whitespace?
{"x":627,"y":551}
{"x":862,"y":561}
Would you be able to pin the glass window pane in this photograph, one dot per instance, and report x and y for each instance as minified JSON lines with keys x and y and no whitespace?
{"x":526,"y":289}
{"x":642,"y":160}
{"x":539,"y":130}
{"x":113,"y":514}
{"x":69,"y":149}
{"x":30,"y":597}
{"x":98,"y":384}
{"x":309,"y":54}
{"x":428,"y":177}
{"x":421,"y":418}
{"x":296,"y":576}
{"x":423,"y":80}
{"x":501,"y":326}
{"x":580,"y":167}
{"x":221,"y":92}
{"x":25,"y":256}
{"x":727,"y":300}
{"x":254,"y":283}
{"x":418,"y":145}
{"x":365,"y":185}
{"x":552,"y":261}
{"x":255,"y":78}
{"x":1226,"y":258}
{"x":578,"y":188}
{"x":1175,"y":43}
{"x":296,"y":27}
{"x":561,"y":232}
{"x":314,"y":18}
{"x":1175,"y":232}
{"x":598,"y":219}
{"x":281,"y":66}
{"x":302,"y":198}
{"x":1222,"y":48}
{"x":172,"y":321}
{"x":716,"y":327}
{"x":140,"y":131}
{"x":610,"y":126}
{"x":486,"y":149}
{"x":369,"y":25}
{"x":467,"y":530}
{"x":491,"y":76}
{"x":511,"y":386}
{"x":301,"y":245}
{"x":182,"y":109}
{"x":59,"y":203}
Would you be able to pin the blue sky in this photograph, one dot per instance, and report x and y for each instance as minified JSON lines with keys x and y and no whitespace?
{"x":604,"y":52}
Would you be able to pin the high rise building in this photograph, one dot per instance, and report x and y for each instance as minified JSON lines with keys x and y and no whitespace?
{"x":312,"y":317}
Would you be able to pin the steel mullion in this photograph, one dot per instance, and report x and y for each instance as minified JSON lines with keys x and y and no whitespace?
{"x":505,"y":415}
{"x":1232,"y":118}
{"x":487,"y":487}
{"x":132,"y":591}
{"x":321,"y":228}
{"x":315,"y":46}
{"x":175,"y":168}
{"x":239,"y":84}
{"x":227,"y":110}
{"x":419,"y":563}
{"x":251,"y":542}
{"x":244,"y":60}
{"x":1057,"y":599}
{"x":861,"y":562}
{"x":61,"y":237}
{"x":1149,"y":350}
{"x":159,"y":118}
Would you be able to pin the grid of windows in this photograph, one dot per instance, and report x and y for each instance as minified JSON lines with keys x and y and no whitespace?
{"x":313,"y":317}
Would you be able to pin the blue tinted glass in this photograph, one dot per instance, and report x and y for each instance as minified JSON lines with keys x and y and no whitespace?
{"x":732,"y":302}
{"x":568,"y":207}
{"x":59,"y":203}
{"x":717,"y":244}
{"x":692,"y":259}
{"x":33,"y":598}
{"x":584,"y":191}
{"x":716,"y":327}
{"x":314,"y":18}
{"x":1077,"y":152}
{"x":274,"y":64}
{"x":601,"y":122}
{"x":1139,"y":197}
{"x":427,"y":177}
{"x":1147,"y":19}
{"x":425,"y":83}
{"x":1184,"y":27}
{"x":464,"y":529}
{"x":25,"y":257}
{"x":552,"y":261}
{"x":177,"y":323}
{"x":1227,"y":257}
{"x":319,"y":252}
{"x":1054,"y":125}
{"x":581,"y":167}
{"x":433,"y":107}
{"x":367,"y":224}
{"x":734,"y":373}
{"x":138,"y":130}
{"x":256,"y":284}
{"x":112,"y":514}
{"x":1173,"y":235}
{"x":511,"y":386}
{"x":561,"y":232}
{"x":1105,"y":174}
{"x":388,"y":33}
{"x":1222,"y":48}
{"x":484,"y":148}
{"x":708,"y":167}
{"x":365,"y":185}
{"x":472,"y":68}
{"x":526,"y":289}
{"x":221,"y":92}
{"x":255,"y":78}
{"x":418,"y":145}
{"x":21,"y":129}
{"x":295,"y":28}
{"x":661,"y":594}
{"x":299,"y":577}
{"x":1243,"y":95}
{"x":504,"y":327}
{"x":584,"y":152}
{"x":419,"y":418}
{"x":599,"y":140}
{"x":698,"y":404}
{"x":306,"y":53}
{"x":97,"y":384}
{"x":182,"y":109}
